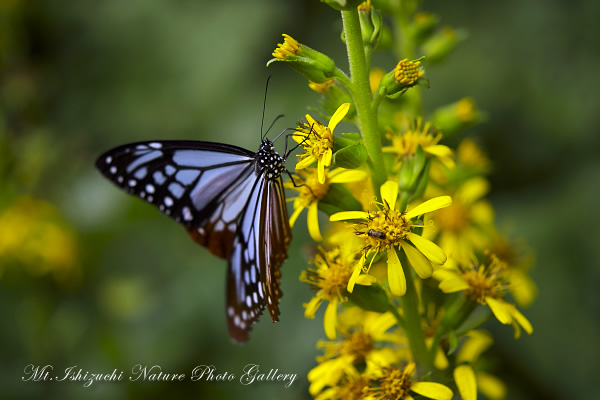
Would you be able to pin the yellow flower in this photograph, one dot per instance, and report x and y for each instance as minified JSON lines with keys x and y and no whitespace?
{"x":405,"y":145}
{"x":466,"y":226}
{"x":33,"y":234}
{"x":386,"y":229}
{"x":408,"y":72}
{"x":330,"y":278}
{"x":485,"y":285}
{"x":311,"y":190}
{"x":397,"y":384}
{"x":519,"y":261}
{"x":357,"y":348}
{"x":470,"y":380}
{"x":350,"y":387}
{"x":289,"y":47}
{"x":317,"y":141}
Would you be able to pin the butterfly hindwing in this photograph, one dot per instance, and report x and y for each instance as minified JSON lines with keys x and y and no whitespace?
{"x":231,"y":200}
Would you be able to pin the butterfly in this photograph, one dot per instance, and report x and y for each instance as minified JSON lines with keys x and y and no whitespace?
{"x":229,"y":199}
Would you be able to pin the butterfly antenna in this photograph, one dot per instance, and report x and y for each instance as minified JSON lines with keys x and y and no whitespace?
{"x":262,"y":121}
{"x":273,"y":123}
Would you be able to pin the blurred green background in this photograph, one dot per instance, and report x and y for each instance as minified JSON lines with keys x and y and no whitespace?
{"x":123,"y":285}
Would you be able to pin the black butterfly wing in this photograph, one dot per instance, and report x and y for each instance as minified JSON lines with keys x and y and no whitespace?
{"x":214,"y":191}
{"x":189,"y":181}
{"x":259,"y":249}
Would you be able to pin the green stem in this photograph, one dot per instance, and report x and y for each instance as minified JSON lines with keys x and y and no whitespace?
{"x":361,"y":93}
{"x":412,"y":319}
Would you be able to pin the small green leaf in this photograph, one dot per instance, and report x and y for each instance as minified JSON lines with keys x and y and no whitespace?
{"x":350,"y":157}
{"x":339,"y":198}
{"x":370,"y":298}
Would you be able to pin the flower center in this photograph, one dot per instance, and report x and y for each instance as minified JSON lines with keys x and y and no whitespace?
{"x":331,"y":277}
{"x":319,"y":139}
{"x":312,"y":189}
{"x":485,"y":281}
{"x":359,"y":344}
{"x":289,"y":47}
{"x":395,"y":384}
{"x":386,"y":228}
{"x":352,"y":388}
{"x":407,"y":72}
{"x":407,"y":143}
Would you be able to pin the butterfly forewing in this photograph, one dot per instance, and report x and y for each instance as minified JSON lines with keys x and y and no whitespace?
{"x":231,"y":200}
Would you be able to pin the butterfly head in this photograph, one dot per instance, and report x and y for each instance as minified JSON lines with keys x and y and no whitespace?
{"x":268,"y":161}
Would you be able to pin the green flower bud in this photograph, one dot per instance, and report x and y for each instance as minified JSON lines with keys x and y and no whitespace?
{"x":422,"y":26}
{"x":315,"y":66}
{"x":441,"y":44}
{"x":371,"y":24}
{"x":457,"y":116}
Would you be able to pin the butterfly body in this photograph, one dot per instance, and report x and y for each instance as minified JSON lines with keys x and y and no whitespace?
{"x":229,"y":199}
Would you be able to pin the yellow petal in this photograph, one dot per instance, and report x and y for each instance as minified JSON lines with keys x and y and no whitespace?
{"x":389,"y":193}
{"x":396,"y":277}
{"x":330,"y":318}
{"x":465,"y":380}
{"x":366,"y":280}
{"x":428,"y":248}
{"x":439,"y":150}
{"x":339,"y":115}
{"x":521,"y":320}
{"x":477,"y":343}
{"x":500,"y":309}
{"x":305,"y":162}
{"x":312,"y":220}
{"x":492,"y":387}
{"x":311,"y":307}
{"x":355,"y":274}
{"x":419,"y":262}
{"x":341,"y":175}
{"x":432,"y":390}
{"x":321,"y":171}
{"x":473,"y":190}
{"x":295,"y":215}
{"x":344,"y":215}
{"x":430,"y":205}
{"x":453,"y":285}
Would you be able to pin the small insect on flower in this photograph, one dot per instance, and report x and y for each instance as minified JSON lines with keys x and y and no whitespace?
{"x":376,"y":234}
{"x":390,"y":230}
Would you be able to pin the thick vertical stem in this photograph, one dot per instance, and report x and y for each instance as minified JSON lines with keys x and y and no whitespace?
{"x":361,"y":92}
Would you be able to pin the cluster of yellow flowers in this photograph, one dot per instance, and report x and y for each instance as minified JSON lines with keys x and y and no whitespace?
{"x":411,"y":263}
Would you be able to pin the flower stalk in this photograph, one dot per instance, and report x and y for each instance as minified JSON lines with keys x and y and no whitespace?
{"x":361,"y":93}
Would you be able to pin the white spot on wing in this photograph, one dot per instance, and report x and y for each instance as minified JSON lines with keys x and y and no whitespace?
{"x":150,"y":188}
{"x":155,"y":145}
{"x":113,"y":170}
{"x":168,"y":201}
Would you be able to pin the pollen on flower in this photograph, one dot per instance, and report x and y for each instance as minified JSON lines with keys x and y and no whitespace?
{"x":289,"y":47}
{"x":358,"y":345}
{"x":394,"y":384}
{"x":317,"y":139}
{"x":485,"y":280}
{"x":418,"y":134}
{"x":385,"y":228}
{"x":331,"y":275}
{"x":408,"y":72}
